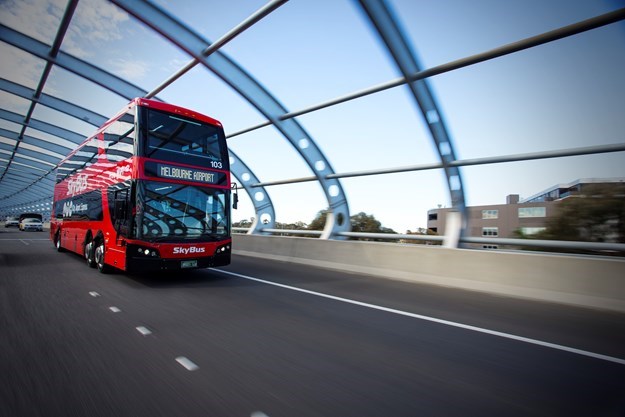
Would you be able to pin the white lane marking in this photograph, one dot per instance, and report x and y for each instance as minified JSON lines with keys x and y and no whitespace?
{"x":258,"y":414}
{"x":24,"y":242}
{"x":190,"y":366}
{"x":143,"y":330}
{"x":114,"y":309}
{"x":94,"y":294}
{"x":435,"y":320}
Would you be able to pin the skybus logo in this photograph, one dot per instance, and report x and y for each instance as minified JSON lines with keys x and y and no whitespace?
{"x":76,"y":185}
{"x":192,"y":249}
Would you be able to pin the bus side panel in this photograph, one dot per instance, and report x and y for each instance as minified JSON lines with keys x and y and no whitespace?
{"x":72,"y":237}
{"x":115,"y":251}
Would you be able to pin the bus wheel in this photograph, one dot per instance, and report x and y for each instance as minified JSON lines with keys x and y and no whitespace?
{"x":89,"y":255}
{"x":99,"y":258}
{"x":57,"y":242}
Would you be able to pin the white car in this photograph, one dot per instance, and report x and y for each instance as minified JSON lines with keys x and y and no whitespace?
{"x":31,"y":224}
{"x":11,"y":222}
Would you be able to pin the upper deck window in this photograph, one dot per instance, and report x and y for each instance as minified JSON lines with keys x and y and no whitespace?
{"x":172,"y":137}
{"x":119,"y":137}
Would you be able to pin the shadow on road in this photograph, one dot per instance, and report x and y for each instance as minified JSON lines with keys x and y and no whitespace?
{"x":198,"y":278}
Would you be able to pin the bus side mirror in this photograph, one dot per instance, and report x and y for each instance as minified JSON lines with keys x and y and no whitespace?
{"x":235,"y":196}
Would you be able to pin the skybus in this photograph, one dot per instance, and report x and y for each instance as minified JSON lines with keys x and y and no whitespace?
{"x":150,"y":190}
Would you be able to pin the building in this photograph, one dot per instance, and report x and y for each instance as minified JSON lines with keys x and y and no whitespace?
{"x":529,"y":215}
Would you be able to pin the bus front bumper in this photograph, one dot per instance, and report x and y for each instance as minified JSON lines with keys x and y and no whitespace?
{"x":144,"y":264}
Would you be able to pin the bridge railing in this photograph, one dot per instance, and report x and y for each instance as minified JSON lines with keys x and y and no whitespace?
{"x":565,"y":246}
{"x":587,"y":281}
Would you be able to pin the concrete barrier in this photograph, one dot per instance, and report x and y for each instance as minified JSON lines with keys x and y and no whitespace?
{"x":596,"y":282}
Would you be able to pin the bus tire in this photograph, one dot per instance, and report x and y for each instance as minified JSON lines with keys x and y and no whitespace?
{"x":99,"y":257}
{"x":89,"y":253}
{"x":57,"y":242}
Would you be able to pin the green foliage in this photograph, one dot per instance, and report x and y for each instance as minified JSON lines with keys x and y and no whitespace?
{"x":367,"y":223}
{"x":597,"y":214}
{"x":318,"y":222}
{"x":421,"y":231}
{"x":361,"y":222}
{"x":243,"y":223}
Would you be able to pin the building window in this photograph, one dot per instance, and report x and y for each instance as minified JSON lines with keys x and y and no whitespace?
{"x":532,"y":212}
{"x":527,"y":231}
{"x":490,"y":231}
{"x":490,"y":214}
{"x":432,"y":217}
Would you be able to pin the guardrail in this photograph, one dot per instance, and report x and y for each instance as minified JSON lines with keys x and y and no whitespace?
{"x":587,"y":281}
{"x":598,"y":247}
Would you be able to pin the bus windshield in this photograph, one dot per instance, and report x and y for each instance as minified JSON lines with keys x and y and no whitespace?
{"x":179,"y":212}
{"x":172,"y":137}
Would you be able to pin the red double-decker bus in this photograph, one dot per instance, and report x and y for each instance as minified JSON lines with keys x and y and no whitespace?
{"x":150,"y":190}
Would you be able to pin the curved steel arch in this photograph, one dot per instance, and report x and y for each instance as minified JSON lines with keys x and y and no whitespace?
{"x":40,"y":161}
{"x":52,"y":102}
{"x":39,"y":156}
{"x":43,"y":126}
{"x":70,"y":63}
{"x":54,"y":147}
{"x":28,"y":176}
{"x":20,"y":197}
{"x":263,"y":207}
{"x":100,"y":77}
{"x":249,"y":88}
{"x":398,"y":45}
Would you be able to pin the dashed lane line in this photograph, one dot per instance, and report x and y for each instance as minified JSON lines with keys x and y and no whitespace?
{"x":186,"y":363}
{"x":143,"y":330}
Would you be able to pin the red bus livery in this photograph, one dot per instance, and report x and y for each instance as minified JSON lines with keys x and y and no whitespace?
{"x":149,"y":191}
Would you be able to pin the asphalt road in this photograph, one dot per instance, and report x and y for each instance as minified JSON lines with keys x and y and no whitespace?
{"x":262,"y":338}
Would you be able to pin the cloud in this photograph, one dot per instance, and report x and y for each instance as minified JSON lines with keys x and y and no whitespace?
{"x":133,"y":70}
{"x":176,"y":64}
{"x":98,"y":21}
{"x":36,"y":18}
{"x":94,"y":24}
{"x":20,"y":67}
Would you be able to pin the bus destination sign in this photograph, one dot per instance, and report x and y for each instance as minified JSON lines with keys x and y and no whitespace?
{"x":174,"y":172}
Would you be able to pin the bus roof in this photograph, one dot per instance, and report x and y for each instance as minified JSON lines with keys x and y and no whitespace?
{"x":154,"y":104}
{"x":170,"y":108}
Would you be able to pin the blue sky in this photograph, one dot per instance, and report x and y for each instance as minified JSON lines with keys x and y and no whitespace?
{"x":570,"y":93}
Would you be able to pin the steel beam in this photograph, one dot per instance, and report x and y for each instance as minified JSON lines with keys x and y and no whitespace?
{"x":250,"y":89}
{"x":54,"y":103}
{"x":263,"y":207}
{"x":399,"y":47}
{"x":77,"y":66}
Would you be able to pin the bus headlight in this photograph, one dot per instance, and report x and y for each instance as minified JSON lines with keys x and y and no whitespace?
{"x":222,"y":249}
{"x":147,"y":252}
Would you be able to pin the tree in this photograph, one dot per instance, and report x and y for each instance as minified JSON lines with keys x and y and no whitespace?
{"x":421,"y":231}
{"x":361,"y":222}
{"x":319,"y":221}
{"x":367,"y":223}
{"x":596,"y":214}
{"x":243,"y":223}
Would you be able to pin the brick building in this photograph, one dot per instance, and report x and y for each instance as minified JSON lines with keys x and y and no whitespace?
{"x":528,"y":215}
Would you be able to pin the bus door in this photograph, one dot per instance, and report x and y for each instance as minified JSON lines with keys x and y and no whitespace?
{"x":121,"y":218}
